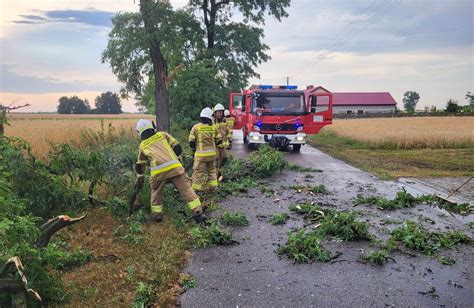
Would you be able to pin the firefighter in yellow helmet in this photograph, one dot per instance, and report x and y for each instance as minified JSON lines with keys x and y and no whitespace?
{"x":160,"y":151}
{"x":204,"y":140}
{"x":223,"y":128}
{"x":230,"y":123}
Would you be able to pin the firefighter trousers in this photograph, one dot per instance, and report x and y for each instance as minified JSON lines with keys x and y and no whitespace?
{"x":183,"y":186}
{"x":205,"y":173}
{"x":221,"y":159}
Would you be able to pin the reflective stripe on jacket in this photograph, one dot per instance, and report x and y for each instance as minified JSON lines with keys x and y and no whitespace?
{"x":158,"y":152}
{"x":206,"y":137}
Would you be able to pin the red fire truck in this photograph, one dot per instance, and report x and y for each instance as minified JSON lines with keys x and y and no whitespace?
{"x":280,"y":115}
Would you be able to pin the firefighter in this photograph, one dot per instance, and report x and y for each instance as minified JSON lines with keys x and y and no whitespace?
{"x":204,"y":140}
{"x":160,"y":151}
{"x":223,"y":128}
{"x":230,"y":123}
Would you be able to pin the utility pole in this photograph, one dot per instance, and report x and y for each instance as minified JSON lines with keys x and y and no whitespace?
{"x":288,"y":80}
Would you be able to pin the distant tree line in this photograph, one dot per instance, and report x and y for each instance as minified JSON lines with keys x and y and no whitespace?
{"x":106,"y":103}
{"x":411,"y":98}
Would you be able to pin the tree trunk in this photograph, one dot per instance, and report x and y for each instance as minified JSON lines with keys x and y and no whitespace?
{"x":3,"y":120}
{"x":159,"y":67}
{"x":210,"y":14}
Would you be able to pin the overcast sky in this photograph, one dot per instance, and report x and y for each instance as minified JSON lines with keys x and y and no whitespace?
{"x":52,"y":48}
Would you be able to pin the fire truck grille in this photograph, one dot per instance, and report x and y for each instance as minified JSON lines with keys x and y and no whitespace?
{"x":278,"y":127}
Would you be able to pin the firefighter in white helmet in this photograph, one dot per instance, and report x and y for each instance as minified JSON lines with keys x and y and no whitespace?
{"x":230,"y":124}
{"x":204,"y":140}
{"x":160,"y":151}
{"x":223,"y":128}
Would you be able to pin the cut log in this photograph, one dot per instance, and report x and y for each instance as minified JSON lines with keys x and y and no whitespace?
{"x":49,"y":228}
{"x":16,"y":287}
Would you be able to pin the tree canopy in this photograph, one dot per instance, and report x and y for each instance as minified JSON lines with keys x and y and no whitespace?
{"x":108,"y":103}
{"x":410,"y":99}
{"x":73,"y":105}
{"x":145,"y":48}
{"x":452,"y":106}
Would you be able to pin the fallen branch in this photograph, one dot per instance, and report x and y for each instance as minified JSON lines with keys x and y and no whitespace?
{"x":49,"y":228}
{"x":14,"y":286}
{"x":10,"y":108}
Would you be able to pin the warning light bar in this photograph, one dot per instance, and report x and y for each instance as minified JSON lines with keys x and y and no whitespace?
{"x":271,"y":87}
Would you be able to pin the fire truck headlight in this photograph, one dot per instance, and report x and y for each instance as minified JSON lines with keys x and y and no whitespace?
{"x":255,"y":138}
{"x":299,"y":138}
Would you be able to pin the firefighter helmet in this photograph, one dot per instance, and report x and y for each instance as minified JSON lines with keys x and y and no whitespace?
{"x":219,"y":107}
{"x":206,"y":113}
{"x":226,"y":113}
{"x":143,"y":125}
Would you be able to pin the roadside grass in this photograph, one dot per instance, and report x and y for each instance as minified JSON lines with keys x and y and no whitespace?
{"x":123,"y":272}
{"x":389,"y":162}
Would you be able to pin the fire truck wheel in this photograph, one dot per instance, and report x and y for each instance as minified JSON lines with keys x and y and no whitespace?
{"x":296,"y":147}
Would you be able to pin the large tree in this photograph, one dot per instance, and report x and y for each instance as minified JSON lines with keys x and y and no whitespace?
{"x":144,"y":44}
{"x":410,"y":99}
{"x":452,"y":106}
{"x":73,"y":105}
{"x":237,"y":46}
{"x":108,"y":103}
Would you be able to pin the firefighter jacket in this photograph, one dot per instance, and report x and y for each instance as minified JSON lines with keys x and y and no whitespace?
{"x":230,"y":122}
{"x":157,"y":151}
{"x":224,"y":130}
{"x":207,"y":138}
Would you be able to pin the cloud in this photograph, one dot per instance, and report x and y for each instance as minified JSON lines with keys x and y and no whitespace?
{"x":90,"y":17}
{"x":369,"y":27}
{"x":16,"y":83}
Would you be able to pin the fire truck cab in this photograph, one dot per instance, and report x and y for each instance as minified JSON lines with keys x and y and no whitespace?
{"x":280,"y":115}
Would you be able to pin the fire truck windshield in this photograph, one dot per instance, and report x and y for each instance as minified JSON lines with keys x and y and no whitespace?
{"x":279,"y":103}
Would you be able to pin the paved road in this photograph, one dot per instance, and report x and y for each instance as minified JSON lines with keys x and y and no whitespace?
{"x":251,"y":274}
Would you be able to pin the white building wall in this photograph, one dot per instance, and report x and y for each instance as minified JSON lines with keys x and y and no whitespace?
{"x":366,"y":109}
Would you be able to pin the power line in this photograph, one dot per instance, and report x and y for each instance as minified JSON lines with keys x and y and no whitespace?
{"x":375,"y":16}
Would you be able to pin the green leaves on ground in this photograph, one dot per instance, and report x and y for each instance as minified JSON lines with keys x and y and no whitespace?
{"x":234,"y":219}
{"x":303,"y":247}
{"x":208,"y":234}
{"x":415,"y":237}
{"x":266,"y":161}
{"x":279,"y":218}
{"x":404,"y":199}
{"x":317,"y":189}
{"x":340,"y":225}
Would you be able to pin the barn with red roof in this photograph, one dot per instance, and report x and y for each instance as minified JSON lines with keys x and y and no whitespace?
{"x":363,"y":102}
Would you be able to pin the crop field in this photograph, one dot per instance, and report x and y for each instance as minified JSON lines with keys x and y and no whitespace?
{"x":402,"y":147}
{"x":409,"y":133}
{"x":40,"y":130}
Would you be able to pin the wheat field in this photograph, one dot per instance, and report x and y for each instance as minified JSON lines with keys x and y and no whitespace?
{"x":40,"y":130}
{"x":408,"y":133}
